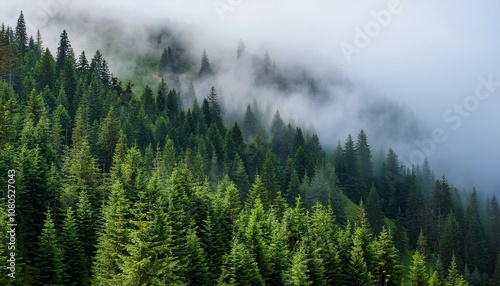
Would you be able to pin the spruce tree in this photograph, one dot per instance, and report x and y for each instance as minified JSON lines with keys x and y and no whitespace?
{"x":374,"y":211}
{"x":48,"y":260}
{"x":455,"y":278}
{"x":298,"y":274}
{"x":75,"y":272}
{"x":417,"y":272}
{"x":387,"y":269}
{"x":113,"y":238}
{"x":64,"y":51}
{"x":239,"y":267}
{"x":21,"y":36}
{"x":206,"y":69}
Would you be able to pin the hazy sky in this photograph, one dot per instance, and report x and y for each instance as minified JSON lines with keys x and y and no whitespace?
{"x":426,"y":55}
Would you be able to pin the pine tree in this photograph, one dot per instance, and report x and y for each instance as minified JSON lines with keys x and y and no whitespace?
{"x":387,"y":270}
{"x":417,"y":273}
{"x":349,"y":175}
{"x":359,"y":274}
{"x":258,"y":191}
{"x":422,"y":245}
{"x":390,"y":181}
{"x":277,"y":253}
{"x":374,"y":210}
{"x":45,"y":71}
{"x":21,"y":36}
{"x":215,"y":109}
{"x":140,"y":264}
{"x":113,"y":238}
{"x":250,"y":123}
{"x":434,"y":279}
{"x":196,"y":269}
{"x":448,"y":242}
{"x":473,"y":234}
{"x":161,"y":97}
{"x":48,"y":260}
{"x":73,"y":255}
{"x":239,"y":267}
{"x":206,"y":69}
{"x":455,"y":278}
{"x":86,"y":228}
{"x":108,"y":137}
{"x":298,"y":274}
{"x":365,"y":163}
{"x":64,"y":51}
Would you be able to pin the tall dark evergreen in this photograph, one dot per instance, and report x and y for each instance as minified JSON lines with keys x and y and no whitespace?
{"x":49,"y":261}
{"x":64,"y":51}
{"x":365,"y":161}
{"x":205,"y":69}
{"x":21,"y":36}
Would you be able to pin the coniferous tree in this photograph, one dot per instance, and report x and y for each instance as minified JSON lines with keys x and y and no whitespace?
{"x":21,"y":36}
{"x":298,"y":274}
{"x":239,"y":267}
{"x":448,"y":242}
{"x":473,"y":234}
{"x":250,"y":123}
{"x":206,"y":69}
{"x":417,"y":272}
{"x":64,"y":51}
{"x":349,"y":175}
{"x":365,"y":162}
{"x":455,"y":278}
{"x":359,"y":273}
{"x":215,"y":109}
{"x":196,"y":269}
{"x":113,"y":238}
{"x":48,"y":262}
{"x":45,"y":71}
{"x":387,"y":270}
{"x":108,"y":137}
{"x":390,"y":180}
{"x":86,"y":228}
{"x":374,"y":210}
{"x":73,"y":255}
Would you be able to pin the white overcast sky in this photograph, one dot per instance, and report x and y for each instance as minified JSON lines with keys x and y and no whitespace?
{"x":429,"y":56}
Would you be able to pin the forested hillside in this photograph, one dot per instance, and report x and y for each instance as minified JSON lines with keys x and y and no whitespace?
{"x":120,"y":184}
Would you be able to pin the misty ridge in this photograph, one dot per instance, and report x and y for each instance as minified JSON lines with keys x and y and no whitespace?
{"x":322,"y":100}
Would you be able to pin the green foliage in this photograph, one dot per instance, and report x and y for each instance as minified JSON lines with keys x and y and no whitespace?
{"x":73,"y":255}
{"x":49,"y":261}
{"x":417,"y":272}
{"x":387,"y":269}
{"x":454,"y":278}
{"x":165,"y":195}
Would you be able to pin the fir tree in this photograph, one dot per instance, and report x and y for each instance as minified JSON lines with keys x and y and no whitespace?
{"x":454,"y":278}
{"x":417,"y":272}
{"x":206,"y":69}
{"x":74,"y":257}
{"x":49,"y":261}
{"x":387,"y":270}
{"x":113,"y":238}
{"x":21,"y":36}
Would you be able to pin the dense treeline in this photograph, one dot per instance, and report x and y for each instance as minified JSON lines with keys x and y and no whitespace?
{"x":116,"y":187}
